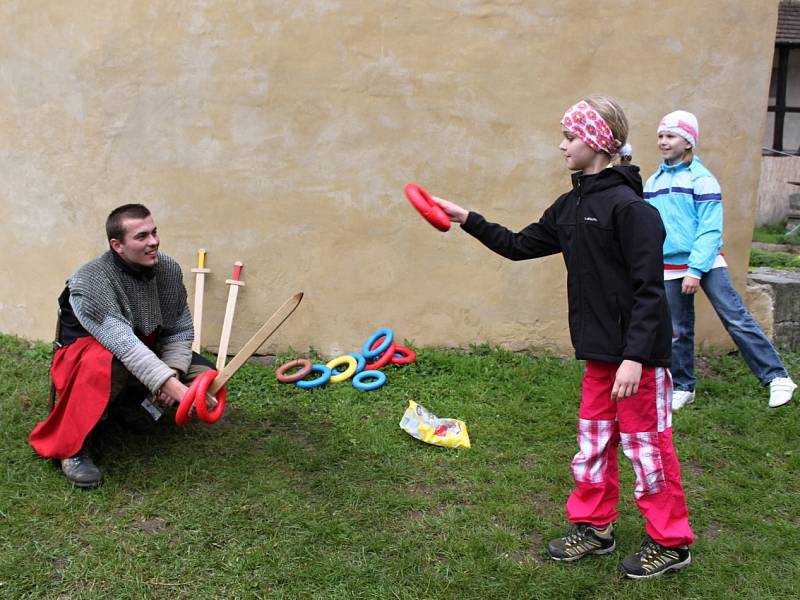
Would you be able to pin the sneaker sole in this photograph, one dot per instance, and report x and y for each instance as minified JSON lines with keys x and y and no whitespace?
{"x":781,"y":404}
{"x":674,"y":567}
{"x":85,"y":485}
{"x":599,"y":551}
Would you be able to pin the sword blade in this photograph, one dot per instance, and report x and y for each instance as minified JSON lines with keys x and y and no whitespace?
{"x":254,"y":343}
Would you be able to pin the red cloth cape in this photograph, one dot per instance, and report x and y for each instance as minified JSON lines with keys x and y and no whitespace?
{"x":81,"y":373}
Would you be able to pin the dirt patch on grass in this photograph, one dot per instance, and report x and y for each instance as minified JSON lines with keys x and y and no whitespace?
{"x":712,"y":530}
{"x":426,"y":489}
{"x":533,"y":553}
{"x":149,"y":526}
{"x":414,"y":515}
{"x":692,"y":468}
{"x":542,"y":502}
{"x":437,"y":511}
{"x":703,"y":368}
{"x":691,"y":474}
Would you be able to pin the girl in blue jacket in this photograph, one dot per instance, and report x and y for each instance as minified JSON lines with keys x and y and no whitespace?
{"x":619,"y":323}
{"x":688,"y":197}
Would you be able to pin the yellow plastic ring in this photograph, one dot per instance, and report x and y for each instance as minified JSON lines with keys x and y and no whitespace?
{"x":351,"y":362}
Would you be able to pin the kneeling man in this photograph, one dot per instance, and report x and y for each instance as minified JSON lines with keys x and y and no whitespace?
{"x":125,"y":337}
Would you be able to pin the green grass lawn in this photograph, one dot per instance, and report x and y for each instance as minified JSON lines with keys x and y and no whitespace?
{"x":319,"y":494}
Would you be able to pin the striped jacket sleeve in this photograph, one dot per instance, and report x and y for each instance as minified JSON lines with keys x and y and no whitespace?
{"x":707,"y":199}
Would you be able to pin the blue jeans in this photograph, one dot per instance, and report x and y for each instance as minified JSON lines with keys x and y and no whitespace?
{"x":757,"y":351}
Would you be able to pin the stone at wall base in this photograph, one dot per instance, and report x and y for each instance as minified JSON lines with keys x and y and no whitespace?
{"x":773,"y":296}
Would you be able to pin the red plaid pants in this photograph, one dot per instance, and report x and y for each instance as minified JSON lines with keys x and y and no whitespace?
{"x":643,"y":423}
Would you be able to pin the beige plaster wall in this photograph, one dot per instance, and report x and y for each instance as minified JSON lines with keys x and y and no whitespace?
{"x":281,"y":134}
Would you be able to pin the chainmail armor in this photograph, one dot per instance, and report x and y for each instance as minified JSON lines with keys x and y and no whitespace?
{"x":118,"y":304}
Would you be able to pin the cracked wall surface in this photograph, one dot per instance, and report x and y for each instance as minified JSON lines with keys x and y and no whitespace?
{"x":282,"y":133}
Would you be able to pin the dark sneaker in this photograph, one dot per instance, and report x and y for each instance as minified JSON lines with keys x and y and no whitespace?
{"x":581,"y":540}
{"x":653,"y":559}
{"x":81,"y":471}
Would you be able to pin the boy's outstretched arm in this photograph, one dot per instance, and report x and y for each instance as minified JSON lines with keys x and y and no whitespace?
{"x":536,"y":240}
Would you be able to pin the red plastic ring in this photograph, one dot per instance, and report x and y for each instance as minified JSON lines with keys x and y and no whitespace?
{"x":182,"y":414}
{"x":383,"y":359}
{"x":199,"y":389}
{"x":422,"y":201}
{"x":201,"y":403}
{"x":280,"y":373}
{"x":403,"y":355}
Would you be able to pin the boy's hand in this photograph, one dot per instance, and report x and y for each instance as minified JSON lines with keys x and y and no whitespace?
{"x":453,"y":211}
{"x":627,"y":382}
{"x":689,"y":285}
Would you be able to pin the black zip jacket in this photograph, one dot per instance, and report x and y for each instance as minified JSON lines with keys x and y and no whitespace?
{"x":612,"y":242}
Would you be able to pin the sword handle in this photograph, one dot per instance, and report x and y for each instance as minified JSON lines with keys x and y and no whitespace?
{"x":237,"y":270}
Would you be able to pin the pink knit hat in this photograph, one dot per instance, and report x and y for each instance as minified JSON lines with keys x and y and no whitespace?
{"x":682,"y":123}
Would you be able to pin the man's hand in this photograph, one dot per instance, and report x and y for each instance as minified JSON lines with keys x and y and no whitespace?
{"x":453,"y":211}
{"x":172,"y":392}
{"x":627,"y":382}
{"x":689,"y":285}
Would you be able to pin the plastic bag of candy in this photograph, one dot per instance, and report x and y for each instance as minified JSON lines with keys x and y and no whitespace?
{"x":420,"y":423}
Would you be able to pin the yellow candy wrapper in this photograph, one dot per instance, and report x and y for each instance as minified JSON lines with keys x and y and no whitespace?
{"x":420,"y":423}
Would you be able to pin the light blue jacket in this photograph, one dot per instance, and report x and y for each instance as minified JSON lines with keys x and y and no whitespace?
{"x":689,"y":200}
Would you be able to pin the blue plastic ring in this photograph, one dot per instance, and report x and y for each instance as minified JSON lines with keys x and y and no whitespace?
{"x":387,"y":335}
{"x":378,"y":376}
{"x":362,"y":362}
{"x":307,"y":384}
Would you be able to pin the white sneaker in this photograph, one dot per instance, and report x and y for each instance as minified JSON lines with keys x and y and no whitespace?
{"x":681,"y":398}
{"x":780,"y":391}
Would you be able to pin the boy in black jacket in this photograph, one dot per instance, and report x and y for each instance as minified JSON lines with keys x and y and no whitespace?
{"x":620,"y":325}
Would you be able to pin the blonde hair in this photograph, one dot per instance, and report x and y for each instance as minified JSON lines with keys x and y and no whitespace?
{"x":615,"y":118}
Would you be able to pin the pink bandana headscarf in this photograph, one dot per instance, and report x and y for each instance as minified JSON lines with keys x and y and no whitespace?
{"x":584,"y":121}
